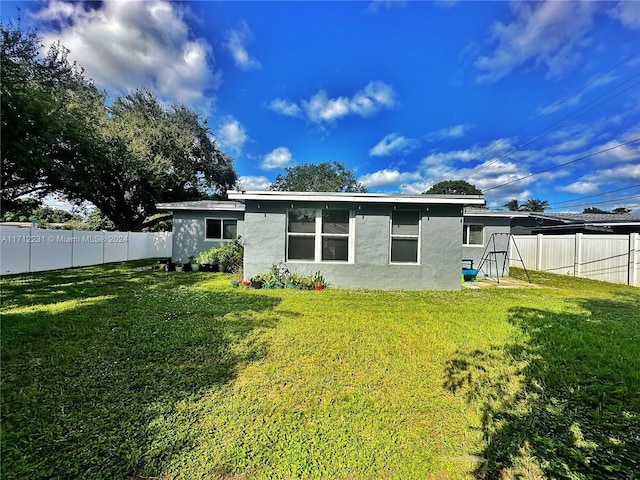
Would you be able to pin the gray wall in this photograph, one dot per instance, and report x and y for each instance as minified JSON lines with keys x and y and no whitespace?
{"x":441,"y":237}
{"x":492,"y":225}
{"x":188,"y":232}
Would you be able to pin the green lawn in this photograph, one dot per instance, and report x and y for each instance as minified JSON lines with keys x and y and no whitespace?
{"x":116,"y":372}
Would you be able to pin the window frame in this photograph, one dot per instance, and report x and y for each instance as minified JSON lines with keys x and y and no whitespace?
{"x":466,"y":232}
{"x":417,"y":237}
{"x":222,"y":222}
{"x":319,"y":236}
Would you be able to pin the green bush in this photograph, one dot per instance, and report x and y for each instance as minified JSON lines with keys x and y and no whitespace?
{"x":229,"y":257}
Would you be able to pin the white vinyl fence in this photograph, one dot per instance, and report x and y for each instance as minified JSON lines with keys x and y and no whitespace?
{"x":611,"y":258}
{"x":25,"y":250}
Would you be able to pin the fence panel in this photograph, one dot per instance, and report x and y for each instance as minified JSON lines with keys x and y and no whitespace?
{"x":14,"y":249}
{"x":558,"y":254}
{"x":610,"y":258}
{"x":115,"y":246}
{"x":51,"y":249}
{"x":25,"y":250}
{"x":605,"y":257}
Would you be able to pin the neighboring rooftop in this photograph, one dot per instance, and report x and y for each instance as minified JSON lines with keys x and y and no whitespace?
{"x":590,"y":217}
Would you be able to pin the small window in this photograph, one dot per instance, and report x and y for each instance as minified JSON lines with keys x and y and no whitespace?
{"x":405,"y":236}
{"x":220,"y":229}
{"x":472,"y":235}
{"x":335,"y":235}
{"x":301,"y":234}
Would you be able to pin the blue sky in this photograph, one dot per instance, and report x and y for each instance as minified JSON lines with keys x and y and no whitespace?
{"x":516,"y":98}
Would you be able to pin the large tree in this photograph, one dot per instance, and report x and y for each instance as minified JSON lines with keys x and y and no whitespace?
{"x":58,"y":135}
{"x":47,"y":113}
{"x":534,"y":205}
{"x":453,"y":187}
{"x":321,"y":177}
{"x":153,"y":154}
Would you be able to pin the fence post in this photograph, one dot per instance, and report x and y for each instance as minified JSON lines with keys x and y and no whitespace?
{"x":539,"y":251}
{"x":30,"y":243}
{"x":577,"y":255}
{"x":634,"y":259}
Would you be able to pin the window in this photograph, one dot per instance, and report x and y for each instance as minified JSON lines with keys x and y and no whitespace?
{"x":405,"y":236}
{"x":472,"y":235}
{"x":302,"y":234}
{"x":317,"y":235}
{"x":220,"y":229}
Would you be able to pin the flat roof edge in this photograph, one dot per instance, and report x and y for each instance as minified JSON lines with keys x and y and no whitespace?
{"x":202,"y":205}
{"x":357,"y":197}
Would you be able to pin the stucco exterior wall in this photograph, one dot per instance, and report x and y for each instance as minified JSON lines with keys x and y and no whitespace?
{"x":497,"y":225}
{"x":189,"y":231}
{"x":440,"y":241}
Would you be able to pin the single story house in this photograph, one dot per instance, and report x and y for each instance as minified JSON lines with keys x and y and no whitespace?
{"x":360,"y":240}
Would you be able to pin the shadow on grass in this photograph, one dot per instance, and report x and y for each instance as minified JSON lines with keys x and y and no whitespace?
{"x":83,"y":380}
{"x":562,"y":400}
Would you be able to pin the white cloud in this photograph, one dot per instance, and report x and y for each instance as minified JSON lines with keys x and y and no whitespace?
{"x":376,"y":5}
{"x":628,"y":12}
{"x":579,"y":188}
{"x":371,"y":99}
{"x":278,"y":158}
{"x":548,"y":33}
{"x":253,"y":183}
{"x":394,"y":143}
{"x":619,"y":173}
{"x":125,"y":45}
{"x":452,"y":132}
{"x":321,"y":109}
{"x":231,"y":135}
{"x":387,"y":177}
{"x":284,"y":107}
{"x":236,"y":40}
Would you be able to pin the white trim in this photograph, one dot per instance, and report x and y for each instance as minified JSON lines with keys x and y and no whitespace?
{"x":467,"y":227}
{"x":357,"y":197}
{"x":416,"y":237}
{"x":318,"y":236}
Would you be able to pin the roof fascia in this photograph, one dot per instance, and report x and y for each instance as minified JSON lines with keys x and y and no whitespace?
{"x":357,"y":197}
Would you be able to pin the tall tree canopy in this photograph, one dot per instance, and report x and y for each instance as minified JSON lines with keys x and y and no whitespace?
{"x":534,"y":205}
{"x":321,"y":177}
{"x":60,"y":136}
{"x":512,"y":205}
{"x":453,"y":187}
{"x":45,"y":104}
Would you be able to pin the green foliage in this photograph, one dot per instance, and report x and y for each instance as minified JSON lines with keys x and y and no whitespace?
{"x":59,"y":135}
{"x":229,"y":257}
{"x":534,"y":205}
{"x":121,"y":372}
{"x":322,"y":177}
{"x":453,"y":187}
{"x":98,"y":222}
{"x":25,"y":209}
{"x":279,"y":276}
{"x":617,"y":211}
{"x":512,"y":205}
{"x":48,"y":114}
